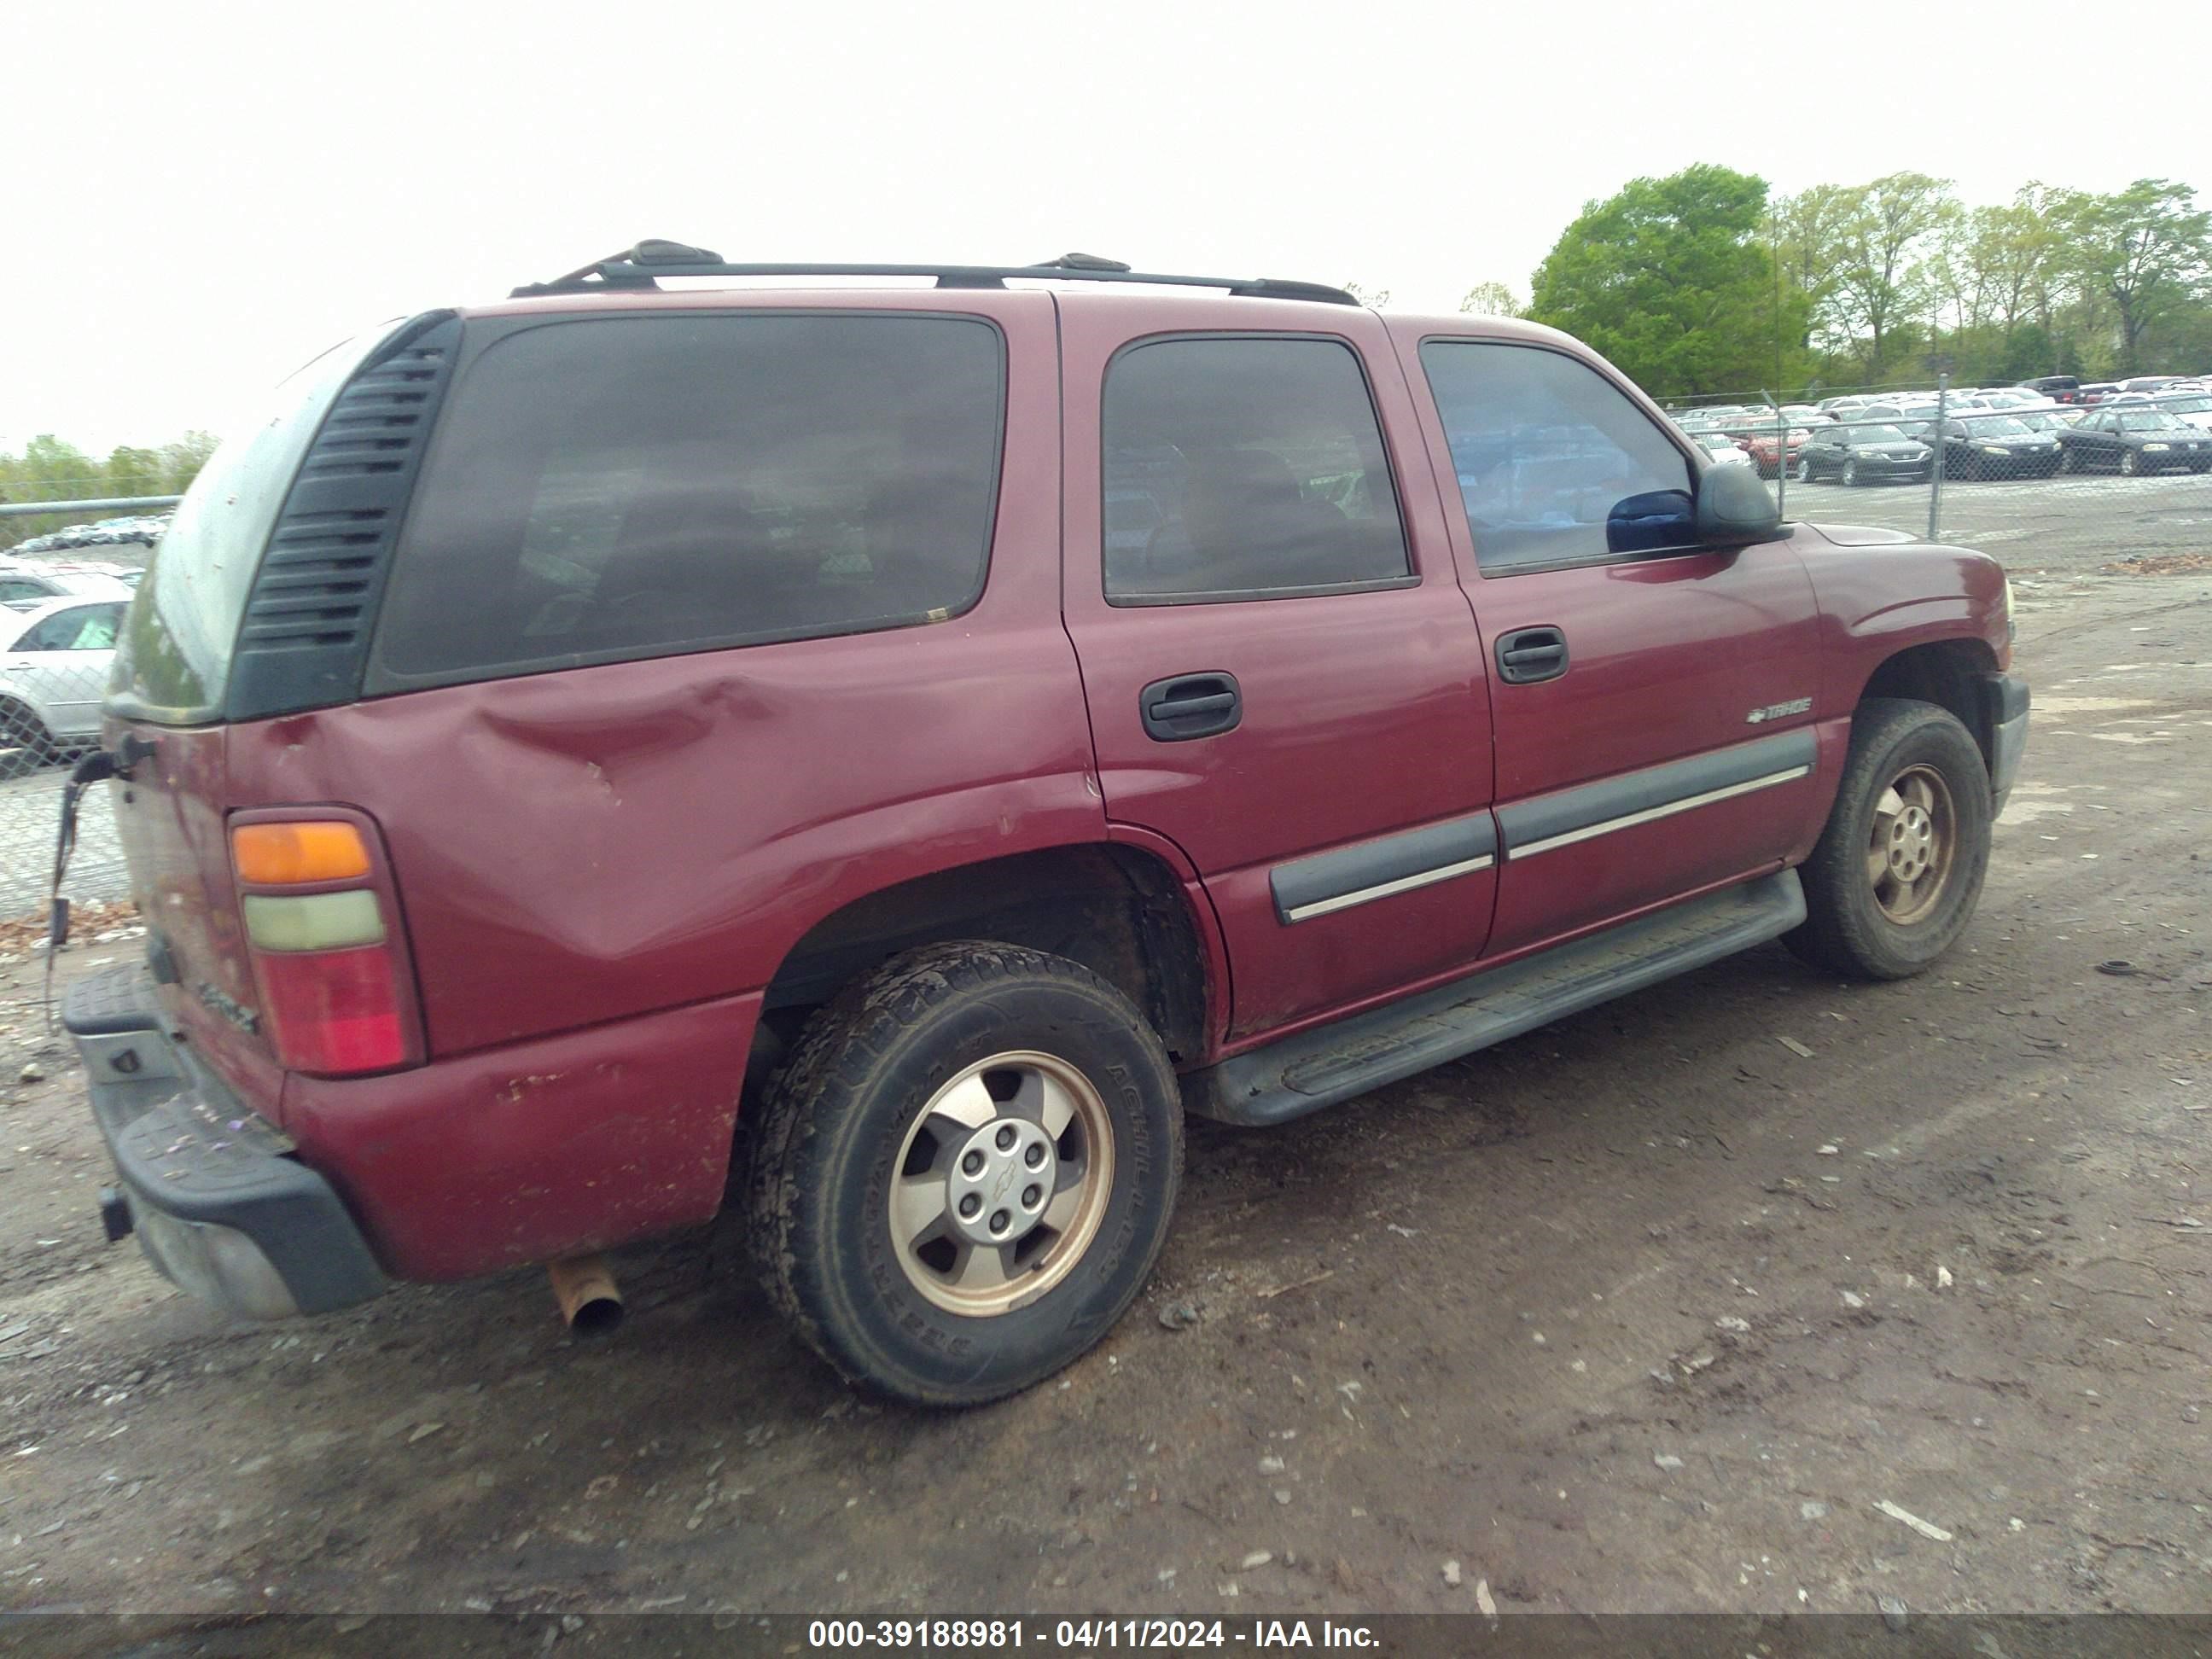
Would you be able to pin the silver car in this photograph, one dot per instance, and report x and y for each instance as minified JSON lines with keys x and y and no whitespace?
{"x":54,"y":659}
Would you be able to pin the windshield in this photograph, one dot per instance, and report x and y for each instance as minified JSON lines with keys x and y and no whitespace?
{"x":1999,"y":426}
{"x":173,"y":659}
{"x":1882,"y":435}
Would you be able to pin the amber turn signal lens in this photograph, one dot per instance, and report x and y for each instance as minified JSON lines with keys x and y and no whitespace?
{"x":284,"y":854}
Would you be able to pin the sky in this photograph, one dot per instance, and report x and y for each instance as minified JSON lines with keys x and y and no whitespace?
{"x":207,"y":195}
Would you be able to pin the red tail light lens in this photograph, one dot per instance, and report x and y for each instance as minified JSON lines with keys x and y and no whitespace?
{"x":333,"y":1012}
{"x":323,"y":931}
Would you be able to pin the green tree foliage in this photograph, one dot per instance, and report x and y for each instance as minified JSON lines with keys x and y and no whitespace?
{"x":51,"y":469}
{"x":2146,"y":251}
{"x":1670,"y":279}
{"x":1492,"y":300}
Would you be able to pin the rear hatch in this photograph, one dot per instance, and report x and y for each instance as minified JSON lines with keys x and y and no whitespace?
{"x":169,"y":699}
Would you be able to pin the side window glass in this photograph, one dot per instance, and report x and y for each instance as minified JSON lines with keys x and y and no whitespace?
{"x":1554,"y":463}
{"x":49,"y":635}
{"x":86,"y":627}
{"x":14,"y":590}
{"x":1242,"y":468}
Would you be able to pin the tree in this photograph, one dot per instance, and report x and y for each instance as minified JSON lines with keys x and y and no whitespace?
{"x":181,"y":461}
{"x":2146,"y":249}
{"x":133,"y":472}
{"x":1491,"y":300}
{"x":1669,"y":280}
{"x":1375,"y":301}
{"x":1879,"y":279}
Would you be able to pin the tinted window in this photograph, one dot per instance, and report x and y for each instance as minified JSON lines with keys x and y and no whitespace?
{"x":1244,"y":468}
{"x":17,"y":588}
{"x":177,"y":642}
{"x":1554,"y":462}
{"x":1880,"y":435}
{"x":633,"y":486}
{"x":84,"y":627}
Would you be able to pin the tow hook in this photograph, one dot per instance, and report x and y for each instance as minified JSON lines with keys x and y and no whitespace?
{"x":591,"y":1304}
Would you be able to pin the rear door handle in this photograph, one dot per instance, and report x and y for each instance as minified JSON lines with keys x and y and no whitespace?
{"x":1189,"y":706}
{"x":1529,"y":654}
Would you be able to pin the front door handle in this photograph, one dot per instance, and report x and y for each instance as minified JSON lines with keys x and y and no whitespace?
{"x":1189,"y":706}
{"x":1529,"y":654}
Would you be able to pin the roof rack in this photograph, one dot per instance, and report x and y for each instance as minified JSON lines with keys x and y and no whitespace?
{"x":639,"y":266}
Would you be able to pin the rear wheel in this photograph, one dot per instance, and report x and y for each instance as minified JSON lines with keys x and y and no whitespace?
{"x":966,"y":1171}
{"x":1851,"y":471}
{"x":1804,"y":469}
{"x":2068,"y":461}
{"x":1894,"y":878}
{"x":25,"y":743}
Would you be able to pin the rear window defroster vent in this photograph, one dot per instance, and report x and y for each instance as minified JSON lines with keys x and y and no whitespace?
{"x":306,"y":623}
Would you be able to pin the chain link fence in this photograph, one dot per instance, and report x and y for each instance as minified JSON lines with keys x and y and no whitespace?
{"x":2095,"y":474}
{"x":60,"y":612}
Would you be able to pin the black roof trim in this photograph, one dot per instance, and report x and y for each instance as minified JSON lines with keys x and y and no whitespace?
{"x":639,"y":266}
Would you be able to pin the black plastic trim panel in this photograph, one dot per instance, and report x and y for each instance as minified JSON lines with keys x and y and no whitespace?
{"x":1353,"y":872}
{"x":1591,"y":804}
{"x":304,"y":640}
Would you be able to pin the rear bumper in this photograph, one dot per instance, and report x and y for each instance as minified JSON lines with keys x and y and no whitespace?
{"x":220,"y":1206}
{"x":2005,"y":701}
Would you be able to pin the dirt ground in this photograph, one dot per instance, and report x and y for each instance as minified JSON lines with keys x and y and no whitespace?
{"x":1755,"y":1292}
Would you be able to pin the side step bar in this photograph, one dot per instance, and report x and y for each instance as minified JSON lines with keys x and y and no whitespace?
{"x":1315,"y":1068}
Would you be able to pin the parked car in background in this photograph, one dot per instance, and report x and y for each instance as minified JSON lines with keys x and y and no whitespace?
{"x":2095,"y":392}
{"x":2054,"y":421}
{"x":2135,"y":438}
{"x":2194,"y":407}
{"x":2063,"y":388}
{"x":2150,"y":382}
{"x":24,"y":583}
{"x":54,"y":659}
{"x":1770,"y":451}
{"x":1721,"y":450}
{"x":1992,"y":446}
{"x":1855,"y":454}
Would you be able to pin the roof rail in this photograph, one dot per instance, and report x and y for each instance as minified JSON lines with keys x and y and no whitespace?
{"x":638,"y":268}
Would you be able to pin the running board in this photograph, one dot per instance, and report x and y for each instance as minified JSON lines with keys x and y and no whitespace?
{"x":1315,"y":1068}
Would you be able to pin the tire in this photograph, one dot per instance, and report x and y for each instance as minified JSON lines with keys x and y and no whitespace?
{"x":1850,"y":475}
{"x":1804,"y":469}
{"x":870,"y":1092}
{"x":2067,"y":461}
{"x":2130,"y":465}
{"x":1903,"y":754}
{"x":24,"y":743}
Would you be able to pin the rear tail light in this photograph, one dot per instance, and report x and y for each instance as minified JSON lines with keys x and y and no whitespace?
{"x":322,"y":929}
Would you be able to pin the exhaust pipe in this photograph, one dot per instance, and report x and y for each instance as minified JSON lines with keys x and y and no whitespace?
{"x":591,"y":1305}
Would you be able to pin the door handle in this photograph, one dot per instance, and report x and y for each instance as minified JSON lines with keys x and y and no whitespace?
{"x":1529,"y":654}
{"x":1187,"y":706}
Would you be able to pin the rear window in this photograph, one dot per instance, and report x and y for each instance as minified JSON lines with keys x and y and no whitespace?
{"x":623,"y":487}
{"x":173,"y":657}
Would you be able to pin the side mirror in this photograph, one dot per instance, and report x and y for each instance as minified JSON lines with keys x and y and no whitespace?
{"x":1733,"y":508}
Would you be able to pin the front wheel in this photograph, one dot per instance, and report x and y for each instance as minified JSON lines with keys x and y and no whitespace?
{"x":966,"y":1171}
{"x":1894,"y":877}
{"x":1851,"y":471}
{"x":1804,"y":469}
{"x":2068,"y":461}
{"x":2130,"y":465}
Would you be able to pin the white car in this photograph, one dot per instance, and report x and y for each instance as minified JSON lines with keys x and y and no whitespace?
{"x":1720,"y":449}
{"x":2194,"y":407}
{"x":53,"y":670}
{"x":24,"y":583}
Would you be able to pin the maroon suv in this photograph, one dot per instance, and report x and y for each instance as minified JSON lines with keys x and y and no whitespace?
{"x":888,"y":752}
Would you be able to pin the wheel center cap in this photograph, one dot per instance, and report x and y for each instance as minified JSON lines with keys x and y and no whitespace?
{"x":1912,"y":839}
{"x":1002,"y":1178}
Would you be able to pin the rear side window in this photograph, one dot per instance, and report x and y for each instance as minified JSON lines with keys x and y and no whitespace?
{"x":1241,"y":468}
{"x":1555,"y":463}
{"x":634,"y":486}
{"x":174,"y":656}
